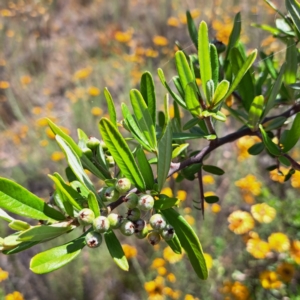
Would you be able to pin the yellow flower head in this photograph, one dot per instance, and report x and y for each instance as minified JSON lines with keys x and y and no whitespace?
{"x":208,"y":179}
{"x":157,"y":263}
{"x":25,"y":80}
{"x":129,"y":251}
{"x":160,"y":40}
{"x":190,"y":219}
{"x":295,"y":251}
{"x":57,"y":155}
{"x":14,"y":296}
{"x":181,"y":194}
{"x":4,"y":85}
{"x":258,"y":248}
{"x":172,"y":21}
{"x":123,"y":36}
{"x":239,"y":291}
{"x":96,"y":111}
{"x":269,"y":280}
{"x":82,"y":73}
{"x":3,"y":275}
{"x":244,"y":144}
{"x":263,"y":213}
{"x":93,"y":91}
{"x":249,"y":184}
{"x":279,"y":176}
{"x":208,"y":260}
{"x":167,"y":191}
{"x":171,"y":277}
{"x":295,"y":180}
{"x":240,"y":222}
{"x":285,"y":271}
{"x":155,"y":288}
{"x":215,"y":208}
{"x":170,"y":256}
{"x":279,"y":242}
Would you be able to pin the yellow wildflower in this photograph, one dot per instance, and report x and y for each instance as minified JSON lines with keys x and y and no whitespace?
{"x":157,"y":263}
{"x":195,"y":13}
{"x":93,"y":91}
{"x":57,"y":155}
{"x":160,"y":40}
{"x":263,"y":213}
{"x":167,"y":191}
{"x":295,"y":180}
{"x":215,"y":208}
{"x":36,"y":110}
{"x":14,"y":296}
{"x":243,"y":144}
{"x":25,"y":80}
{"x":3,"y":275}
{"x":249,"y":184}
{"x":239,"y":291}
{"x":181,"y":194}
{"x":44,"y":143}
{"x":189,"y":297}
{"x":279,"y":176}
{"x":5,"y":13}
{"x":174,"y":22}
{"x":240,"y":222}
{"x":171,"y":277}
{"x":41,"y":122}
{"x":96,"y":111}
{"x":269,"y":280}
{"x":161,"y":271}
{"x":170,"y":256}
{"x":258,"y":248}
{"x":82,"y":73}
{"x":208,"y":260}
{"x":4,"y":85}
{"x":295,"y":251}
{"x":285,"y":271}
{"x":129,"y":251}
{"x":50,"y":133}
{"x":123,"y":36}
{"x":155,"y":288}
{"x":208,"y":179}
{"x":10,"y":33}
{"x":279,"y":242}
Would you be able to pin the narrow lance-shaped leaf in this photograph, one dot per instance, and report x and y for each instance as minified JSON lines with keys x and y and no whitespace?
{"x":292,"y":136}
{"x":18,"y":200}
{"x":174,"y":244}
{"x":110,"y":106}
{"x":115,"y":249}
{"x":255,"y":112}
{"x":93,"y":204}
{"x":192,"y":101}
{"x":145,"y":168}
{"x":189,"y":241}
{"x":148,"y":93}
{"x":248,"y":63}
{"x":143,"y":117}
{"x":183,"y":69}
{"x":290,"y":74}
{"x":4,"y":216}
{"x":220,"y":92}
{"x":293,"y":8}
{"x":164,"y":156}
{"x":178,"y":150}
{"x":57,"y":257}
{"x":121,"y":153}
{"x":273,"y":148}
{"x":204,"y":56}
{"x":192,"y":29}
{"x":178,"y":85}
{"x":214,"y":64}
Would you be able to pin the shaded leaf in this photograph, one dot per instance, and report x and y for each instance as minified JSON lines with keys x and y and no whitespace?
{"x":175,"y":245}
{"x":111,"y":107}
{"x":292,"y":135}
{"x":213,"y":170}
{"x":256,"y":149}
{"x":211,"y":199}
{"x":145,"y":168}
{"x":273,"y":148}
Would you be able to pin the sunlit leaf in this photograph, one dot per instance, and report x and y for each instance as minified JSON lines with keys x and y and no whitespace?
{"x":273,"y":148}
{"x":110,"y":106}
{"x":255,"y":112}
{"x":292,"y":136}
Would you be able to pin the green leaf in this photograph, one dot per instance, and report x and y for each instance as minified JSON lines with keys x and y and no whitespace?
{"x":183,"y":69}
{"x":274,"y":123}
{"x":255,"y":112}
{"x":256,"y":149}
{"x":189,"y":241}
{"x":19,"y":248}
{"x":214,"y":64}
{"x":44,"y":232}
{"x":191,"y":99}
{"x":292,"y":136}
{"x":115,"y":249}
{"x":174,"y":244}
{"x":285,"y":161}
{"x":121,"y":153}
{"x":220,"y":92}
{"x":11,"y":241}
{"x":143,"y":117}
{"x":164,"y":156}
{"x":178,"y":150}
{"x":148,"y":93}
{"x":189,"y":136}
{"x":269,"y":63}
{"x":242,"y":71}
{"x":18,"y":200}
{"x":290,"y":74}
{"x":165,"y":202}
{"x":293,"y":8}
{"x":211,"y":199}
{"x":145,"y":168}
{"x":176,"y":98}
{"x":4,"y":216}
{"x":57,"y":257}
{"x":177,"y":116}
{"x":93,"y":204}
{"x":275,"y":90}
{"x":213,"y":170}
{"x":210,"y":89}
{"x":273,"y":148}
{"x":80,"y":188}
{"x":178,"y":85}
{"x":18,"y":225}
{"x":191,"y":123}
{"x":204,"y":56}
{"x":192,"y":29}
{"x":111,"y":107}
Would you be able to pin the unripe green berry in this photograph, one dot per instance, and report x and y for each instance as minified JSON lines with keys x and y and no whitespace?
{"x":123,"y":185}
{"x":86,"y":216}
{"x":133,"y":214}
{"x":158,"y":222}
{"x":88,"y":152}
{"x":92,"y":143}
{"x":110,"y":194}
{"x":168,"y":233}
{"x":93,"y":239}
{"x":127,"y":228}
{"x":101,"y":224}
{"x":153,"y":238}
{"x":139,"y":224}
{"x":131,"y":200}
{"x":145,"y":202}
{"x":143,"y":233}
{"x":110,"y":161}
{"x":103,"y":145}
{"x":115,"y":220}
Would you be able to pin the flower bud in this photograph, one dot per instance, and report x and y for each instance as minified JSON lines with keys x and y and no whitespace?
{"x":127,"y":228}
{"x":110,"y":194}
{"x":92,"y":143}
{"x":110,"y":161}
{"x":103,"y":145}
{"x":93,"y":239}
{"x":88,"y":152}
{"x":168,"y":233}
{"x":153,"y":238}
{"x":133,"y":214}
{"x":101,"y":224}
{"x":158,"y":222}
{"x":145,"y":202}
{"x":131,"y":200}
{"x":86,"y":216}
{"x":115,"y":220}
{"x":123,"y":185}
